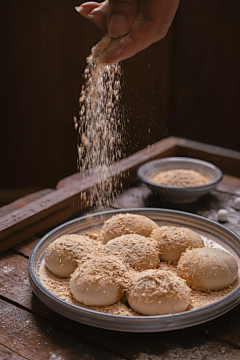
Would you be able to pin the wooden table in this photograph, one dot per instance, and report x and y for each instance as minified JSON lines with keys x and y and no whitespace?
{"x":30,"y":330}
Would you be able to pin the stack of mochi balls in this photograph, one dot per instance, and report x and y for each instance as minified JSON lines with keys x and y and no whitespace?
{"x":125,"y":264}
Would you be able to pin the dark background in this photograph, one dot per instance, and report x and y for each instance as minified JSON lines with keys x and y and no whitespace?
{"x":186,"y":85}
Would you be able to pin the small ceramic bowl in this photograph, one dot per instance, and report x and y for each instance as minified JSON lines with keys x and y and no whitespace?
{"x":175,"y":194}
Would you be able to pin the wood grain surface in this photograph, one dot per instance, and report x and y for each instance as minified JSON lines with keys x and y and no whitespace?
{"x":47,"y":332}
{"x":30,"y":330}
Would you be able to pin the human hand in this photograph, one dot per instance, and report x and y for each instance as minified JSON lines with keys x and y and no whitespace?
{"x":133,"y":24}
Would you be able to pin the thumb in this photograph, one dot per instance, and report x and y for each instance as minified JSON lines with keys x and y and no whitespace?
{"x":121,"y":16}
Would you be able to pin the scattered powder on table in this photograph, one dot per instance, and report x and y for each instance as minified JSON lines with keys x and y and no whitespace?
{"x":180,"y":177}
{"x":100,"y":128}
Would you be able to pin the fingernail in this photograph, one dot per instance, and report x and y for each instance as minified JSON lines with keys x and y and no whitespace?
{"x":118,"y":26}
{"x":79,"y":9}
{"x":96,"y":11}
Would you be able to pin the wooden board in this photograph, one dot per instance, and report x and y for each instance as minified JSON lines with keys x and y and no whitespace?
{"x":60,"y":205}
{"x":39,"y":339}
{"x":64,"y":203}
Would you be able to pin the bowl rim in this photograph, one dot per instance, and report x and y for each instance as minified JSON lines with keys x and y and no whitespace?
{"x":189,"y":160}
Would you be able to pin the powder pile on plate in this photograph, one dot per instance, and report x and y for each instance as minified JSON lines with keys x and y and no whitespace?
{"x":181,"y":178}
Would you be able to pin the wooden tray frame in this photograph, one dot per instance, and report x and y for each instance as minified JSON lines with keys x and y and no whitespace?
{"x":64,"y":202}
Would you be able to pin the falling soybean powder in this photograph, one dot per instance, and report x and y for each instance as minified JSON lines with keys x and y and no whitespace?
{"x":100,"y":128}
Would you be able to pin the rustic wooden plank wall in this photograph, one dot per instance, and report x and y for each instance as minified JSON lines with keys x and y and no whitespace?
{"x":186,"y":85}
{"x":206,"y":72}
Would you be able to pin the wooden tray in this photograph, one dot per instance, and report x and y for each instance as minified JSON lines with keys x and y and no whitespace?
{"x":65,"y":202}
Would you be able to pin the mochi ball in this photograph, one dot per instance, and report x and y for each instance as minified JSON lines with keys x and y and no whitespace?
{"x":173,"y":240}
{"x":62,"y":255}
{"x":207,"y":269}
{"x":99,"y":281}
{"x":124,"y":224}
{"x":158,"y":292}
{"x":139,"y":252}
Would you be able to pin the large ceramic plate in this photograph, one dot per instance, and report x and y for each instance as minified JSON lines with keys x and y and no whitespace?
{"x":207,"y":228}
